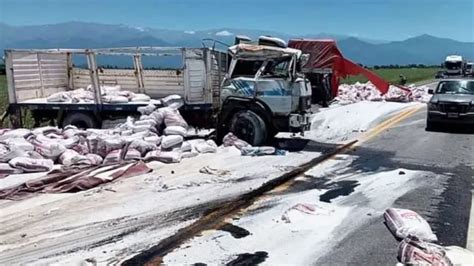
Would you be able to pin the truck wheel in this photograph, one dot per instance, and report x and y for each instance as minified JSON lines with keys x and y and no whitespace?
{"x":250,"y":127}
{"x":80,"y":120}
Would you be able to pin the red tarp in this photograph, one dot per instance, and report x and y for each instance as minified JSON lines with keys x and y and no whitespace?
{"x":324,"y":54}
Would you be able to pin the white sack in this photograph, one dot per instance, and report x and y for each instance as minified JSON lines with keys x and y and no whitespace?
{"x":114,"y":99}
{"x":16,"y":133}
{"x":5,"y":168}
{"x":146,"y":110}
{"x":173,"y":101}
{"x":59,"y":97}
{"x":189,"y":154}
{"x":71,"y":157}
{"x":139,"y":97}
{"x":186,"y":146}
{"x":170,"y":141}
{"x":175,"y":130}
{"x":18,"y":144}
{"x":203,"y":146}
{"x":164,"y":156}
{"x":172,"y":117}
{"x":142,"y":146}
{"x":132,"y":154}
{"x":29,"y":165}
{"x":49,"y":149}
{"x":404,"y":222}
{"x":113,"y":157}
{"x":94,"y":158}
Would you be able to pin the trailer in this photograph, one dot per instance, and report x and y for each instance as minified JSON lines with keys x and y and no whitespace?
{"x":35,"y":74}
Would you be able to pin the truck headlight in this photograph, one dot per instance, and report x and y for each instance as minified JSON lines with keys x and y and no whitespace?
{"x":432,"y":106}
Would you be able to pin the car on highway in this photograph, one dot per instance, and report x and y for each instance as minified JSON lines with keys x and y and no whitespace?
{"x":452,"y":103}
{"x":439,"y":75}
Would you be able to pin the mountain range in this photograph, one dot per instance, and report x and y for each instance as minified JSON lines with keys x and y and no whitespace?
{"x":423,"y":49}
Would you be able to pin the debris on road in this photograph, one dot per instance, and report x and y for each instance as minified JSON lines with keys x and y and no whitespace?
{"x":300,"y":210}
{"x":414,"y":251}
{"x":404,"y":222}
{"x":212,"y":171}
{"x":352,"y":93}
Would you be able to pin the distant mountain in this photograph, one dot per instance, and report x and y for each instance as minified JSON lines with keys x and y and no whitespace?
{"x":424,"y":49}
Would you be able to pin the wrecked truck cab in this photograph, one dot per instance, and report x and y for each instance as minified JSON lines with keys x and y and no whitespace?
{"x":263,"y":93}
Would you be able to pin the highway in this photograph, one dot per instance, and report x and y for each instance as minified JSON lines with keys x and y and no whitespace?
{"x":400,"y":165}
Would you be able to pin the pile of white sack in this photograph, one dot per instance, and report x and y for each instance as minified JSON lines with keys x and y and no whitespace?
{"x":109,"y":94}
{"x":417,"y":245}
{"x":158,"y":135}
{"x":352,"y":93}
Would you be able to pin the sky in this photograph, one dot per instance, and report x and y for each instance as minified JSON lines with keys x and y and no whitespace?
{"x":374,"y":19}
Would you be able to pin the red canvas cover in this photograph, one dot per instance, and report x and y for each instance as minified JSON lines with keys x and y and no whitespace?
{"x":325,"y":54}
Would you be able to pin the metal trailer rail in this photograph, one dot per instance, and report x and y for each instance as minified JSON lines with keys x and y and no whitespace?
{"x":56,"y":64}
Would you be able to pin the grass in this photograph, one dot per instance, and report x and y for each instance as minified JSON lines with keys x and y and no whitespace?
{"x":3,"y":94}
{"x":392,"y":75}
{"x":27,"y":119}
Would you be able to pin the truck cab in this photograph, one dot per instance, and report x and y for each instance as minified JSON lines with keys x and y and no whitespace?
{"x":263,"y":93}
{"x":454,"y":65}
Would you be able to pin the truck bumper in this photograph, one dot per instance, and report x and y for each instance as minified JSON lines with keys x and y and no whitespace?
{"x":462,"y":118}
{"x":300,"y":122}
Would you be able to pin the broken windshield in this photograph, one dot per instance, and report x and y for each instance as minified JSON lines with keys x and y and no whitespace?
{"x":271,"y":68}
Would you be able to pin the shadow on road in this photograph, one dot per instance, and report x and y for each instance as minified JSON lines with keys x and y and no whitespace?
{"x":452,"y":129}
{"x":298,"y":144}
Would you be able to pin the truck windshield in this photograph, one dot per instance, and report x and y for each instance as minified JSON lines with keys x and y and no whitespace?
{"x":455,"y":87}
{"x":277,"y":68}
{"x":453,"y":65}
{"x":246,"y":68}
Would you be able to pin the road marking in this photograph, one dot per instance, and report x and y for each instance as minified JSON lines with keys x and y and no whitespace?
{"x":370,"y":134}
{"x":470,"y":230}
{"x":387,"y":124}
{"x":238,"y":206}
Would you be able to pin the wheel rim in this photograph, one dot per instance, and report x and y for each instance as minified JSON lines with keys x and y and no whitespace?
{"x":244,"y":129}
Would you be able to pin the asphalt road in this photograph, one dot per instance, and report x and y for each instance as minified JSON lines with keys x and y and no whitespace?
{"x":444,"y":198}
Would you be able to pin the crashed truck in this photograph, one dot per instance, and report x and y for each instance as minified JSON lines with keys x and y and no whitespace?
{"x":325,"y":67}
{"x":252,"y":90}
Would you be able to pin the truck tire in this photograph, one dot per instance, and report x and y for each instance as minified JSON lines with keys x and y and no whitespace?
{"x":250,"y":127}
{"x":80,"y":120}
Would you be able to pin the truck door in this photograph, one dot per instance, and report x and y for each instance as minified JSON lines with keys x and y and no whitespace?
{"x":195,"y":78}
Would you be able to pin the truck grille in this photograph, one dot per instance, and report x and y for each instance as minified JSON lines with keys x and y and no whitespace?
{"x":453,"y":108}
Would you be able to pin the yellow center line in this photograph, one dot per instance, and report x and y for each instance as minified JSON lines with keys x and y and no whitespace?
{"x":397,"y":118}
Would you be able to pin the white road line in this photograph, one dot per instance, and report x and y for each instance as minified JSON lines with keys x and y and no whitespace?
{"x":470,"y":230}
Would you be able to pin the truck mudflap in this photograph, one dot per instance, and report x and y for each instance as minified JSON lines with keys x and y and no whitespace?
{"x":300,"y":122}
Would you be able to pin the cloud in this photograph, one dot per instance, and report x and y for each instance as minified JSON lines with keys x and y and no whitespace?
{"x":140,"y":29}
{"x":224,"y":33}
{"x":189,"y":32}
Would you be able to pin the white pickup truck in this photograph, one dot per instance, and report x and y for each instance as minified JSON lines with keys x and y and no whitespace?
{"x":275,"y":103}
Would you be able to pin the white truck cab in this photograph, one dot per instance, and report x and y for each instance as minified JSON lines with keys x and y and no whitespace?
{"x":277,"y":96}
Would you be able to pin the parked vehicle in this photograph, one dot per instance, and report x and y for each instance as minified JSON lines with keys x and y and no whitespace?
{"x":452,"y":103}
{"x":469,"y":72}
{"x":454,"y":65}
{"x":268,"y":103}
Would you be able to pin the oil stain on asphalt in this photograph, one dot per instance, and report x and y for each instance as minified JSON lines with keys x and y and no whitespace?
{"x":249,"y":258}
{"x":235,"y":231}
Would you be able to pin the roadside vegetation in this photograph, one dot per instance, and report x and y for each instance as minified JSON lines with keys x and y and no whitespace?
{"x":392,"y":75}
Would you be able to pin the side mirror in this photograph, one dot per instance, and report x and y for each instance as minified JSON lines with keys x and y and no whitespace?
{"x":430,"y":91}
